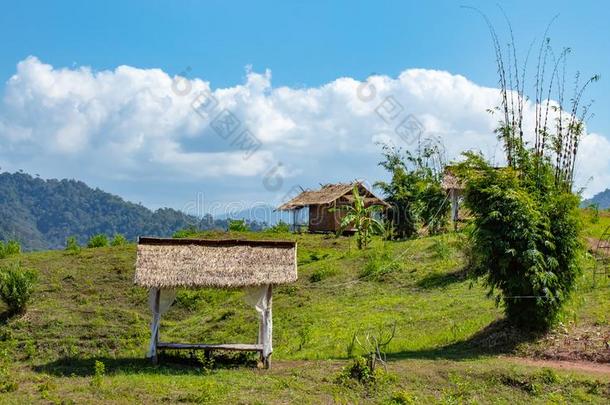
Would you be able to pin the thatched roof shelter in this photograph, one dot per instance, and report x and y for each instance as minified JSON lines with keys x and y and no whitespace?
{"x":322,"y":204}
{"x":163,"y":265}
{"x":171,"y":263}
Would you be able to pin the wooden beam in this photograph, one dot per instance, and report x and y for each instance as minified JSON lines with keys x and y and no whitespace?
{"x":244,"y":347}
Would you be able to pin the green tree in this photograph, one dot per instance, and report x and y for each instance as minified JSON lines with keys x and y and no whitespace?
{"x":415,"y":191}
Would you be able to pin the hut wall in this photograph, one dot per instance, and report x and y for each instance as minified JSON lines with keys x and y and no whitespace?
{"x":321,"y":220}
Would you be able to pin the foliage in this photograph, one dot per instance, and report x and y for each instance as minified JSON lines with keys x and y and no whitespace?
{"x":12,"y":247}
{"x":360,"y":217}
{"x":72,"y":245}
{"x":415,"y":191}
{"x":16,"y":286}
{"x":280,"y":227}
{"x":526,"y":228}
{"x":118,"y":240}
{"x":43,"y":213}
{"x":96,"y":241}
{"x":237,"y":225}
{"x":525,"y":237}
{"x":359,"y":371}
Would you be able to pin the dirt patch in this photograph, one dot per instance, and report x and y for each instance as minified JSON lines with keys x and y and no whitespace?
{"x":585,"y":366}
{"x":595,"y":246}
{"x":591,"y":344}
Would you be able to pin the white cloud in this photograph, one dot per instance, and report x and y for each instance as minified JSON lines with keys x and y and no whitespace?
{"x":133,"y":123}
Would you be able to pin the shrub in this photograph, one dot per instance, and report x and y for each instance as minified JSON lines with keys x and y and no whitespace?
{"x":280,"y":227}
{"x":526,"y":238}
{"x":238,"y":225}
{"x":99,"y":240}
{"x":12,"y":247}
{"x":72,"y":244}
{"x":16,"y":286}
{"x":359,"y":371}
{"x":118,"y":240}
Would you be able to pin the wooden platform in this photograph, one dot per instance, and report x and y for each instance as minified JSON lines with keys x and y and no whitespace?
{"x":242,"y":347}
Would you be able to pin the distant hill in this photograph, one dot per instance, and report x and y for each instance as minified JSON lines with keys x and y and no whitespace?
{"x":41,"y":214}
{"x":602,"y":199}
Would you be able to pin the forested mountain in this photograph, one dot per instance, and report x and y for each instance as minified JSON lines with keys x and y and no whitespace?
{"x":41,"y":214}
{"x":602,"y":199}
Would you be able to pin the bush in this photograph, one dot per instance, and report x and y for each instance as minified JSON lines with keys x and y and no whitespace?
{"x":16,"y":286}
{"x":238,"y":225}
{"x":525,"y":237}
{"x":72,"y":244}
{"x":118,"y":240}
{"x":280,"y":227}
{"x":359,"y":371}
{"x":99,"y":240}
{"x":12,"y":247}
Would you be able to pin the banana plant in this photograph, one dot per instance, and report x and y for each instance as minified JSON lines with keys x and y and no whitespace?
{"x":360,"y":217}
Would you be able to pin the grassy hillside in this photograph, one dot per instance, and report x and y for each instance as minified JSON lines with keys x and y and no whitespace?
{"x":447,"y":347}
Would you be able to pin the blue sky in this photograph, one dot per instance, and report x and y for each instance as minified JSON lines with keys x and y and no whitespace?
{"x":305,"y":46}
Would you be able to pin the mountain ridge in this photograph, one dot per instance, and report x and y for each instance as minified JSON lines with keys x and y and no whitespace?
{"x":42,"y":213}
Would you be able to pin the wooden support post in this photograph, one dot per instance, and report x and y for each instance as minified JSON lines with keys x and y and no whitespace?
{"x":294,"y":220}
{"x":268,"y":327}
{"x":155,"y":357}
{"x":454,"y":208}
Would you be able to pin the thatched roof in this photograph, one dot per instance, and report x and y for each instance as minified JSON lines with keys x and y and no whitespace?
{"x":170,"y":263}
{"x":330,"y":193}
{"x":450,"y":180}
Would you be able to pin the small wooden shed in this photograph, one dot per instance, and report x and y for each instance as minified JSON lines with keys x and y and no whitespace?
{"x":163,"y":265}
{"x":321,"y":202}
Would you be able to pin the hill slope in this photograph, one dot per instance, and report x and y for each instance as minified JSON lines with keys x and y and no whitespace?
{"x":41,"y":214}
{"x":86,"y":309}
{"x":602,"y":199}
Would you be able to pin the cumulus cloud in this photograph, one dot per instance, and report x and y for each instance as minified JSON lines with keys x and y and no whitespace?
{"x":132,"y":123}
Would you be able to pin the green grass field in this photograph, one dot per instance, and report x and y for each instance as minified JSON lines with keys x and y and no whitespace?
{"x":449,"y":345}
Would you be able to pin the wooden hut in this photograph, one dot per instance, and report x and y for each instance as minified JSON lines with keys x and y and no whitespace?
{"x":320,"y":204}
{"x":163,"y":265}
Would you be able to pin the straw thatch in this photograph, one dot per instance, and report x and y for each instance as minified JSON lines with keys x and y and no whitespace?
{"x":450,"y":181}
{"x":170,"y":263}
{"x":330,"y":193}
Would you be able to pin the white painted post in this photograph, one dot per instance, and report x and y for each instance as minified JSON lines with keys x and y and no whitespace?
{"x":156,"y":315}
{"x":268,"y":327}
